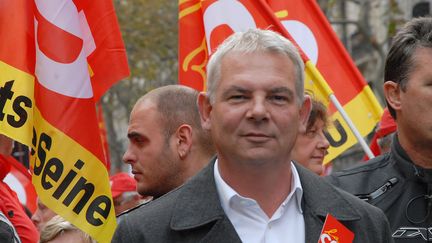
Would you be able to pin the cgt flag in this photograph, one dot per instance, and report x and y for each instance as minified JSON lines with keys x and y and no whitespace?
{"x":205,"y":24}
{"x":334,"y":231}
{"x":56,"y":59}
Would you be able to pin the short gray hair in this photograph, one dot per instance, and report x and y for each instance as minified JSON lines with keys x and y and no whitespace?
{"x":255,"y":40}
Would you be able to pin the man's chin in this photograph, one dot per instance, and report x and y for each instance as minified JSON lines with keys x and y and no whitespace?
{"x":259,"y":157}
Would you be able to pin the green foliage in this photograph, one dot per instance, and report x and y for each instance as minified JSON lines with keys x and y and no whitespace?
{"x":150,"y":33}
{"x":395,"y":18}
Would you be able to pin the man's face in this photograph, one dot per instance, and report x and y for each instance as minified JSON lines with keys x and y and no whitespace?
{"x":154,"y":162}
{"x":311,"y":147}
{"x":42,"y":215}
{"x":255,"y":116}
{"x":414,"y":116}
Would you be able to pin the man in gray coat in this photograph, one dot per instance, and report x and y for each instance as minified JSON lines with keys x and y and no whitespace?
{"x":252,"y":191}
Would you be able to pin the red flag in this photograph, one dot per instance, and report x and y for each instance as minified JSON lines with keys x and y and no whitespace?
{"x":19,"y":180}
{"x":56,"y":59}
{"x":386,"y":126}
{"x":108,"y":60}
{"x":203,"y":25}
{"x":103,"y":134}
{"x":192,"y":45}
{"x":334,"y":231}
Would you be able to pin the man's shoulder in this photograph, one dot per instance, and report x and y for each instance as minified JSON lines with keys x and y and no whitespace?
{"x":164,"y":205}
{"x":320,"y":193}
{"x":372,"y":223}
{"x":361,"y":205}
{"x":150,"y":219}
{"x":374,"y":169}
{"x":125,"y":213}
{"x":370,"y":166}
{"x":369,"y":181}
{"x":156,"y":209}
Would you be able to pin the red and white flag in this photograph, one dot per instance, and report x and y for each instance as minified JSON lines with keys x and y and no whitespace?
{"x":19,"y":180}
{"x":56,"y":59}
{"x":203,"y":25}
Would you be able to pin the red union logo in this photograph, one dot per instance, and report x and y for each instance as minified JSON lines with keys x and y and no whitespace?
{"x":63,"y":42}
{"x":328,"y":236}
{"x":335,"y":232}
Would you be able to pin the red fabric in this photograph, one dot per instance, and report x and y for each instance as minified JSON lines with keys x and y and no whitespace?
{"x":9,"y":165}
{"x":103,"y":134}
{"x":193,"y":52}
{"x":386,"y":126}
{"x":109,"y":61}
{"x":11,"y":161}
{"x":5,"y":167}
{"x":12,"y":208}
{"x":335,"y":231}
{"x":122,"y":182}
{"x":91,"y":28}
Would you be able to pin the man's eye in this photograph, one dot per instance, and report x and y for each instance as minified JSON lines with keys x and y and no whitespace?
{"x":279,"y":98}
{"x":138,"y":140}
{"x":237,"y":97}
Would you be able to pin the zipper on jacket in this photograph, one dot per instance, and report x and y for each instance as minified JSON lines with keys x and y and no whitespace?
{"x":380,"y":191}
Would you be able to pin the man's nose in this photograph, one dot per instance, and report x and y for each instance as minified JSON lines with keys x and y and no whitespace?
{"x":128,"y":156}
{"x":258,"y":109}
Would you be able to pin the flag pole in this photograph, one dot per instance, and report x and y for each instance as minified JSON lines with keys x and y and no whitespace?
{"x":325,"y":88}
{"x":351,"y":125}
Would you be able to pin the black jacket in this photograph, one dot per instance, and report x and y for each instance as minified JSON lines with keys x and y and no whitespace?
{"x":401,"y":189}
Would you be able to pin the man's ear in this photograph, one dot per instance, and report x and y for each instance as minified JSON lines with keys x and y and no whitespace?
{"x":392,"y":94}
{"x":184,"y":140}
{"x":205,"y":109}
{"x":305,"y":110}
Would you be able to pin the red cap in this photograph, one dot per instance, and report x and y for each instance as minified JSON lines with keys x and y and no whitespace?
{"x":386,"y":126}
{"x":122,"y":182}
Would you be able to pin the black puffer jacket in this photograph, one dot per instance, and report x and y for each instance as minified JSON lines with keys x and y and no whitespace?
{"x":401,"y":189}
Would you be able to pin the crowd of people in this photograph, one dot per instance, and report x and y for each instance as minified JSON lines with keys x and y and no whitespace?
{"x":243,"y":161}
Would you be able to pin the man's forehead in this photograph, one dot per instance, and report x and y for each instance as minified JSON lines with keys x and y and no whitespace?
{"x":421,"y":58}
{"x":144,"y":103}
{"x":143,"y":108}
{"x":144,"y":117}
{"x":269,"y":89}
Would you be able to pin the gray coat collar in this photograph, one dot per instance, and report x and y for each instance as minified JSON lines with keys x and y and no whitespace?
{"x":198,"y":202}
{"x":198,"y":205}
{"x":321,"y":197}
